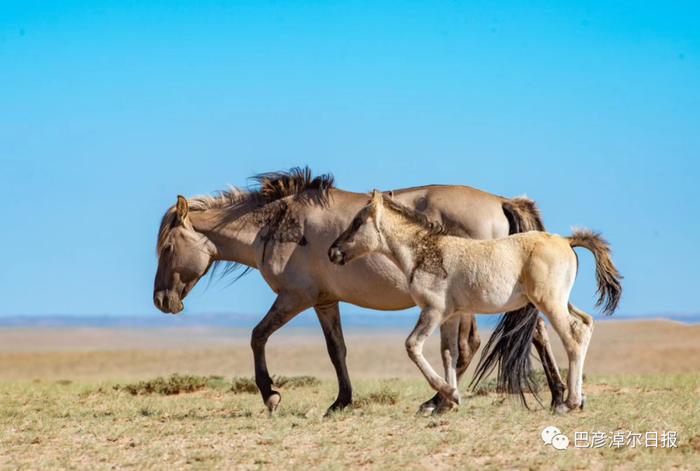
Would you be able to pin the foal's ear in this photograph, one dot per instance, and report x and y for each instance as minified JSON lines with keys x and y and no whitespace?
{"x":183,"y":208}
{"x":376,"y":195}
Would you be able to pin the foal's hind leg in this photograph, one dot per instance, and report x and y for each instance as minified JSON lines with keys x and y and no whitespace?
{"x":587,"y":320}
{"x":469,"y":343}
{"x":429,"y":319}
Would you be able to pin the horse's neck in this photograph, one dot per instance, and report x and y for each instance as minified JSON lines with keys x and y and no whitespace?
{"x":233,"y":233}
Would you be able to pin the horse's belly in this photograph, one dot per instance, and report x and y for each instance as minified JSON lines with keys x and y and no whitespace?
{"x":372,"y":282}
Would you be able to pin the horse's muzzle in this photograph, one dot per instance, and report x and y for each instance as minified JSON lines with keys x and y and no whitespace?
{"x":335,"y":255}
{"x":168,"y":302}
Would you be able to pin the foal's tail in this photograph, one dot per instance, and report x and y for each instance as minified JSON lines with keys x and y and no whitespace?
{"x":607,"y":276}
{"x":508,"y":348}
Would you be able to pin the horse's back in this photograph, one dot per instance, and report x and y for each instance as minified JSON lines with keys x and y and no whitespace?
{"x":463,"y":210}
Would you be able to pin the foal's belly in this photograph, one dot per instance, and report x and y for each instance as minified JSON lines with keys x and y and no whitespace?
{"x":488,"y":297}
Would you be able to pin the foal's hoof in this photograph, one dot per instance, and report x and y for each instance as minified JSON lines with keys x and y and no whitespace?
{"x":429,"y":406}
{"x":561,"y":409}
{"x":272,"y":402}
{"x":445,"y":406}
{"x":452,"y":395}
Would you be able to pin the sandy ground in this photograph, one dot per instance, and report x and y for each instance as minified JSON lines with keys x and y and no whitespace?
{"x":653,"y":346}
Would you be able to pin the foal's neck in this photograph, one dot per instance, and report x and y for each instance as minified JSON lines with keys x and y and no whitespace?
{"x":401,"y":236}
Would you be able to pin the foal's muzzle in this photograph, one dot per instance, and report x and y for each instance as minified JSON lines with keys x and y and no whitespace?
{"x":336,"y":255}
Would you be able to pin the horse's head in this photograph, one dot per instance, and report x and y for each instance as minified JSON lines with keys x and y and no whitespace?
{"x":184,"y":256}
{"x":362,"y":236}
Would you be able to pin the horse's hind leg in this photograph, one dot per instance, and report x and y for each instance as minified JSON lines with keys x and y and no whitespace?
{"x":574,"y":329}
{"x":429,"y":319}
{"x":469,"y":343}
{"x":551,"y":370}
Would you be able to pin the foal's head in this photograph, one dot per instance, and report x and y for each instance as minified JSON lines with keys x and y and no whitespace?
{"x":184,"y":256}
{"x":363,"y":236}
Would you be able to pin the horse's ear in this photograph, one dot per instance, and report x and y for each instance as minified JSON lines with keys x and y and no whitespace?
{"x":183,"y":208}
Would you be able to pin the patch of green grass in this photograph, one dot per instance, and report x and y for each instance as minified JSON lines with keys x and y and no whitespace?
{"x":241,"y":385}
{"x":383,"y":397}
{"x":291,"y":382}
{"x":175,"y":384}
{"x":180,"y":384}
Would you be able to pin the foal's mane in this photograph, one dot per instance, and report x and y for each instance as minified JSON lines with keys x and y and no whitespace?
{"x":267,"y":188}
{"x":431,"y":227}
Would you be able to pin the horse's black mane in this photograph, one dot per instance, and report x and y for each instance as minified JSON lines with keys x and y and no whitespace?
{"x":273,"y":186}
{"x":267,"y":188}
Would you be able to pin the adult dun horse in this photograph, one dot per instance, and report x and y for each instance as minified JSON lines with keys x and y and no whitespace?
{"x":284,"y":228}
{"x":485,"y":276}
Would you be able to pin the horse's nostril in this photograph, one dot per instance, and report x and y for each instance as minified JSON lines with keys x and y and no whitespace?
{"x":335,"y":255}
{"x":158,"y":299}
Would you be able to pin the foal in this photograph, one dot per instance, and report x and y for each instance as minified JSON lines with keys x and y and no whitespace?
{"x":451,"y":274}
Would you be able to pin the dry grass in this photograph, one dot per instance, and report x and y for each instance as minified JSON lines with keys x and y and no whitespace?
{"x":49,"y":424}
{"x":120,"y":405}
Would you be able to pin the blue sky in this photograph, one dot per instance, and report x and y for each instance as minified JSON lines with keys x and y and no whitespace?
{"x":108,"y":110}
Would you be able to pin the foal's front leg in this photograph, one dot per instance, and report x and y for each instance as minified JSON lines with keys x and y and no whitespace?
{"x":429,"y":319}
{"x":469,"y":342}
{"x":450,"y":352}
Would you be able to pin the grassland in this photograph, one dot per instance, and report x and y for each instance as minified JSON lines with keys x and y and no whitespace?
{"x":104,"y":409}
{"x":61,"y":424}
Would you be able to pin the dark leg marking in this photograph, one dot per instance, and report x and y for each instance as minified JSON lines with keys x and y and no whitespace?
{"x":544,"y":350}
{"x":329,"y":317}
{"x":284,"y":308}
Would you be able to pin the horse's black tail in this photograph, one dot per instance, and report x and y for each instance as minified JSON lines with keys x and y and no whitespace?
{"x":509,"y":347}
{"x":508,"y":350}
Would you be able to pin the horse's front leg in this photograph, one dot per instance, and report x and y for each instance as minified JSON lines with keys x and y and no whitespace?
{"x":329,"y":317}
{"x":429,"y":319}
{"x":285,"y":307}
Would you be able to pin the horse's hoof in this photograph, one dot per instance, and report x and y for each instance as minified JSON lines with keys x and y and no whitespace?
{"x":337,"y":406}
{"x":272,"y":402}
{"x":561,"y":409}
